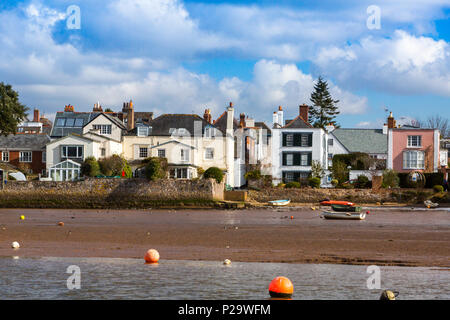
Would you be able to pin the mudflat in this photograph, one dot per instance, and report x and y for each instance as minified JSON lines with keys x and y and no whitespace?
{"x":388,"y":236}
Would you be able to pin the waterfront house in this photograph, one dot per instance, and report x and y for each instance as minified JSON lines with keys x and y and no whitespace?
{"x":295,"y":145}
{"x":25,"y":152}
{"x":187,"y":141}
{"x":412,"y":148}
{"x":39,"y":124}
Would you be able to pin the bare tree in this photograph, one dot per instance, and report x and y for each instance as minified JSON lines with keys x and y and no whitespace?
{"x":434,"y":122}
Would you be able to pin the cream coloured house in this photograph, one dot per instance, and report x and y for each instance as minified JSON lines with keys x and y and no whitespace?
{"x":187,"y":141}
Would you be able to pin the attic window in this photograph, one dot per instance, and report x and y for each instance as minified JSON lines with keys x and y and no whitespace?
{"x":70,"y":122}
{"x":60,"y":122}
{"x":142,"y":131}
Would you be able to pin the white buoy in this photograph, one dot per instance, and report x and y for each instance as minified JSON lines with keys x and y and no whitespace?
{"x":15,"y":245}
{"x":227,"y":262}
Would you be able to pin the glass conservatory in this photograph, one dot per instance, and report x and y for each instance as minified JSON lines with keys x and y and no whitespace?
{"x":67,"y":170}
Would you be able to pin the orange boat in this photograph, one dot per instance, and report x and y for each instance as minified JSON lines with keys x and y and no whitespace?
{"x":331,"y":202}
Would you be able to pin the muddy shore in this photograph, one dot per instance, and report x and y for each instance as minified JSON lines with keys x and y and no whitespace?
{"x":388,"y":236}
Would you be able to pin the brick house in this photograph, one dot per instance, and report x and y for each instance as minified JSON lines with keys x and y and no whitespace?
{"x":25,"y":151}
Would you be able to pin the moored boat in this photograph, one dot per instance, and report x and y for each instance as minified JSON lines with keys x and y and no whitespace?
{"x":342,"y":208}
{"x":284,"y":202}
{"x":338,"y":202}
{"x":343,"y":215}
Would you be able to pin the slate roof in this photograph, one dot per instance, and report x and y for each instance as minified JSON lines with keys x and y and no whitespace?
{"x":263,"y":125}
{"x":362,"y":140}
{"x":24,"y":142}
{"x":162,"y":125}
{"x":221,"y":122}
{"x":297,"y":123}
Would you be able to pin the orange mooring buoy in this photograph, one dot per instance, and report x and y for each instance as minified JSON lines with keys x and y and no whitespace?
{"x":281,"y":287}
{"x":152,"y":256}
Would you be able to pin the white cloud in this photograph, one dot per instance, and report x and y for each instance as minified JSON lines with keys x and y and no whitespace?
{"x":404,"y":63}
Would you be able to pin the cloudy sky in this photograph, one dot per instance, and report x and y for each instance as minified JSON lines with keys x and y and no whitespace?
{"x":184,"y":56}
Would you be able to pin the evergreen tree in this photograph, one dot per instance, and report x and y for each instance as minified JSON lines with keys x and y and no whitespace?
{"x":12,"y":112}
{"x":324,"y":109}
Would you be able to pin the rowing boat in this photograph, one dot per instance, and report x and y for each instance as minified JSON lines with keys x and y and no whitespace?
{"x":343,"y":215}
{"x":280,"y":202}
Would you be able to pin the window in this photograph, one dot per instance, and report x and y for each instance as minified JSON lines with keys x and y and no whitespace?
{"x":143,"y":152}
{"x":304,"y":140}
{"x":330,"y":142}
{"x":60,"y":122}
{"x":209,"y":132}
{"x":161,"y":153}
{"x":414,"y":141}
{"x":103,"y":152}
{"x":72,"y":152}
{"x":70,"y":122}
{"x":142,"y":131}
{"x":289,"y":140}
{"x":25,"y":156}
{"x":304,"y":159}
{"x":209,"y":153}
{"x":103,"y":128}
{"x":184,"y":154}
{"x":78,"y":122}
{"x":289,"y":159}
{"x":44,"y":156}
{"x":413,"y":160}
{"x":5,"y":156}
{"x":289,"y":176}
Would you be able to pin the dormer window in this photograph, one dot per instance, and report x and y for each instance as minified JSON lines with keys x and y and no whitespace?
{"x":103,"y":128}
{"x":209,"y":132}
{"x":142,"y":131}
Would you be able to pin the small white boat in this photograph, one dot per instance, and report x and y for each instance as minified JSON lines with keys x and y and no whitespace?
{"x":343,"y":215}
{"x":430,"y":205}
{"x":280,"y":202}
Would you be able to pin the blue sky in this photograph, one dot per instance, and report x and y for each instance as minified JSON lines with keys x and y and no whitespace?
{"x":184,"y":56}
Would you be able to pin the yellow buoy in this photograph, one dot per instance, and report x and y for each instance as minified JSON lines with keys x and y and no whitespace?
{"x":227,"y":262}
{"x":22,"y":217}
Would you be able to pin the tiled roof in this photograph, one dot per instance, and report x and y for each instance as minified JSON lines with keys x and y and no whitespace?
{"x":221,"y":122}
{"x":362,"y":140}
{"x":162,"y":125}
{"x":24,"y":142}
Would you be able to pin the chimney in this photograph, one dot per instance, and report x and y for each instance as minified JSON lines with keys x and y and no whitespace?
{"x":329,"y":127}
{"x":207,"y":115}
{"x":280,"y":116}
{"x":275,"y":118}
{"x":36,"y":115}
{"x":69,"y":108}
{"x":97,"y":107}
{"x":391,"y":121}
{"x":230,"y":118}
{"x":242,"y":120}
{"x":130,"y":116}
{"x":303,"y":111}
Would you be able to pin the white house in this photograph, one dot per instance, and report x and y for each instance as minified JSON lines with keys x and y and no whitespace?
{"x":295,"y":145}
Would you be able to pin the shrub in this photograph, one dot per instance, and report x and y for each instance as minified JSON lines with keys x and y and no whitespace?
{"x":154,"y":169}
{"x":438,"y":188}
{"x":214,"y":173}
{"x":317,"y":169}
{"x":390,"y":179}
{"x":293,"y":184}
{"x":281,"y":185}
{"x":200,"y":171}
{"x":314,"y":182}
{"x":334,"y":182}
{"x":90,"y":167}
{"x":339,"y":171}
{"x":113,"y":166}
{"x":362,"y":182}
{"x":253,"y":175}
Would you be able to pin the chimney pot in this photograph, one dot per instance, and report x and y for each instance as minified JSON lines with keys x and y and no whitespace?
{"x":280,"y":108}
{"x":36,"y":115}
{"x":304,"y":112}
{"x":391,"y":121}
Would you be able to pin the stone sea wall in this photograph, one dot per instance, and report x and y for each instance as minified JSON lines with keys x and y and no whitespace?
{"x":110,"y":193}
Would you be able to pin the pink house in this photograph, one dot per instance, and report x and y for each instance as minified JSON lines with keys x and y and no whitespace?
{"x":411,"y":148}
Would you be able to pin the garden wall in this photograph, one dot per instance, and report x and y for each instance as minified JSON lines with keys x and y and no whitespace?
{"x":110,"y":193}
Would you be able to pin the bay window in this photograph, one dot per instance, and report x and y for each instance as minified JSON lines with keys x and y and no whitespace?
{"x":413,"y":160}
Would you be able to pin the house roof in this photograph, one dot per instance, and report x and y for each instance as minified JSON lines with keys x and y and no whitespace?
{"x":162,"y":125}
{"x":111,"y":118}
{"x":297,"y":123}
{"x":263,"y":125}
{"x":221,"y":122}
{"x":362,"y":140}
{"x":61,"y":131}
{"x":24,"y":142}
{"x":73,"y":135}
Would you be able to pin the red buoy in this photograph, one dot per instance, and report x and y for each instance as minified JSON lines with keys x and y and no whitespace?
{"x":152,"y":256}
{"x":281,"y":287}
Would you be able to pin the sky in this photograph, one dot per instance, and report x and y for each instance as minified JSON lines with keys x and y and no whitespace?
{"x":175,"y":56}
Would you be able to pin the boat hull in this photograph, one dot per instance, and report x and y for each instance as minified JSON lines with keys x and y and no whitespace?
{"x":279,"y":202}
{"x":336,"y":202}
{"x":343,"y":215}
{"x":341,"y":208}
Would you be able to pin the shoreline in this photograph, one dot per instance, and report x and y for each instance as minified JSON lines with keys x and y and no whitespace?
{"x":394,"y":237}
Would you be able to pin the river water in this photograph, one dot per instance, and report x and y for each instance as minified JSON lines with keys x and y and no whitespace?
{"x":112,"y":278}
